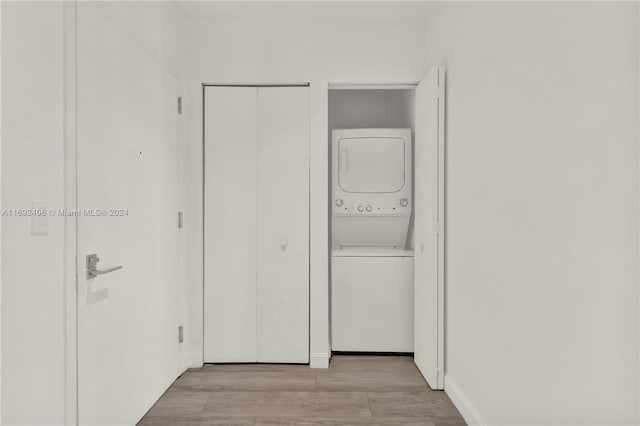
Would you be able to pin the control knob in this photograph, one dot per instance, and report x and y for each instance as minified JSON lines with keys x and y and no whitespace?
{"x":339,"y":202}
{"x":404,"y":202}
{"x":360,"y":208}
{"x":368,"y":208}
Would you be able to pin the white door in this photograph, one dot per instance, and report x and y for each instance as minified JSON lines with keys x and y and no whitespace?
{"x":283,"y":225}
{"x":128,"y":350}
{"x":230,"y":152}
{"x":256,"y":241}
{"x":429,"y":228}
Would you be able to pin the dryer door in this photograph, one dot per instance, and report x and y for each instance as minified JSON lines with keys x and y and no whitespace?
{"x":373,"y":164}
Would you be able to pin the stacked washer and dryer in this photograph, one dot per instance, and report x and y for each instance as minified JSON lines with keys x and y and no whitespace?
{"x":372,"y":259}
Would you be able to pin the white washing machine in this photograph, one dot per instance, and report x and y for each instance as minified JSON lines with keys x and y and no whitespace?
{"x":372,"y":264}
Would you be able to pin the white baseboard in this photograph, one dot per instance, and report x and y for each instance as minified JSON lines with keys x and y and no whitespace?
{"x":192,"y":360}
{"x":462,"y":403}
{"x":319,"y":360}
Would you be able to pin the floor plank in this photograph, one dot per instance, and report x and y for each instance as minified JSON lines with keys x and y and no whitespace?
{"x":287,"y":404}
{"x":179,"y":404}
{"x":345,"y":421}
{"x":366,"y":363}
{"x":425,"y":404}
{"x":371,"y":381}
{"x":457,"y":420}
{"x":197,"y":421}
{"x":224,"y":380}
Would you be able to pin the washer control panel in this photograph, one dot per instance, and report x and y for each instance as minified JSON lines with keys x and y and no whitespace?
{"x":401,"y":205}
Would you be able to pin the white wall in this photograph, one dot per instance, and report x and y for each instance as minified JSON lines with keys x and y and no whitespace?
{"x":371,"y":108}
{"x":277,"y":49}
{"x":542,"y":210}
{"x":34,"y":77}
{"x":32,"y":169}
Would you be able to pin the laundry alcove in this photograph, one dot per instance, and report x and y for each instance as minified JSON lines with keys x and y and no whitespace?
{"x":386,"y":203}
{"x":371,"y":139}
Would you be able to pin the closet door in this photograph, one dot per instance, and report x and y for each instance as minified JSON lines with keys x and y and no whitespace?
{"x":230,"y":224}
{"x":283,"y":225}
{"x":429,"y":228}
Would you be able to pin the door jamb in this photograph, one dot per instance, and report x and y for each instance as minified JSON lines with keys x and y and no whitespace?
{"x":70,"y":320}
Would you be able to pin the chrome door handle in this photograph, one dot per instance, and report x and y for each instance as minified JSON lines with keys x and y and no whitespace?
{"x":92,"y":267}
{"x":106,"y":271}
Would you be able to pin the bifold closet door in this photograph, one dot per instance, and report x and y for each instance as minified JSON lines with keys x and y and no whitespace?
{"x":256,"y":224}
{"x":230,"y":158}
{"x":283,"y":225}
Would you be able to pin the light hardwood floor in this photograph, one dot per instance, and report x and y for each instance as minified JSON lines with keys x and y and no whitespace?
{"x":355,"y":390}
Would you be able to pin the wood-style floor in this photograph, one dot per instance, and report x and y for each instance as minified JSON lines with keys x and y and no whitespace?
{"x":355,"y":390}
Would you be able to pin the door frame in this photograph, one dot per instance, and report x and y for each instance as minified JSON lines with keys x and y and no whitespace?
{"x":204,"y":194}
{"x":70,"y":321}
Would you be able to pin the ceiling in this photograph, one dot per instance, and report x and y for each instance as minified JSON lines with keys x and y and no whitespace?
{"x":350,"y":10}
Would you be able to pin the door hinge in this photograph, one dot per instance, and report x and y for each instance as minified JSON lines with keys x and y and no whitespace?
{"x":179,"y":104}
{"x":437,"y":228}
{"x":180,"y":334}
{"x":180,"y":220}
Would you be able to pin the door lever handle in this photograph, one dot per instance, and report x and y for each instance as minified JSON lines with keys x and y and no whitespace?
{"x":106,"y":271}
{"x":92,"y":267}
